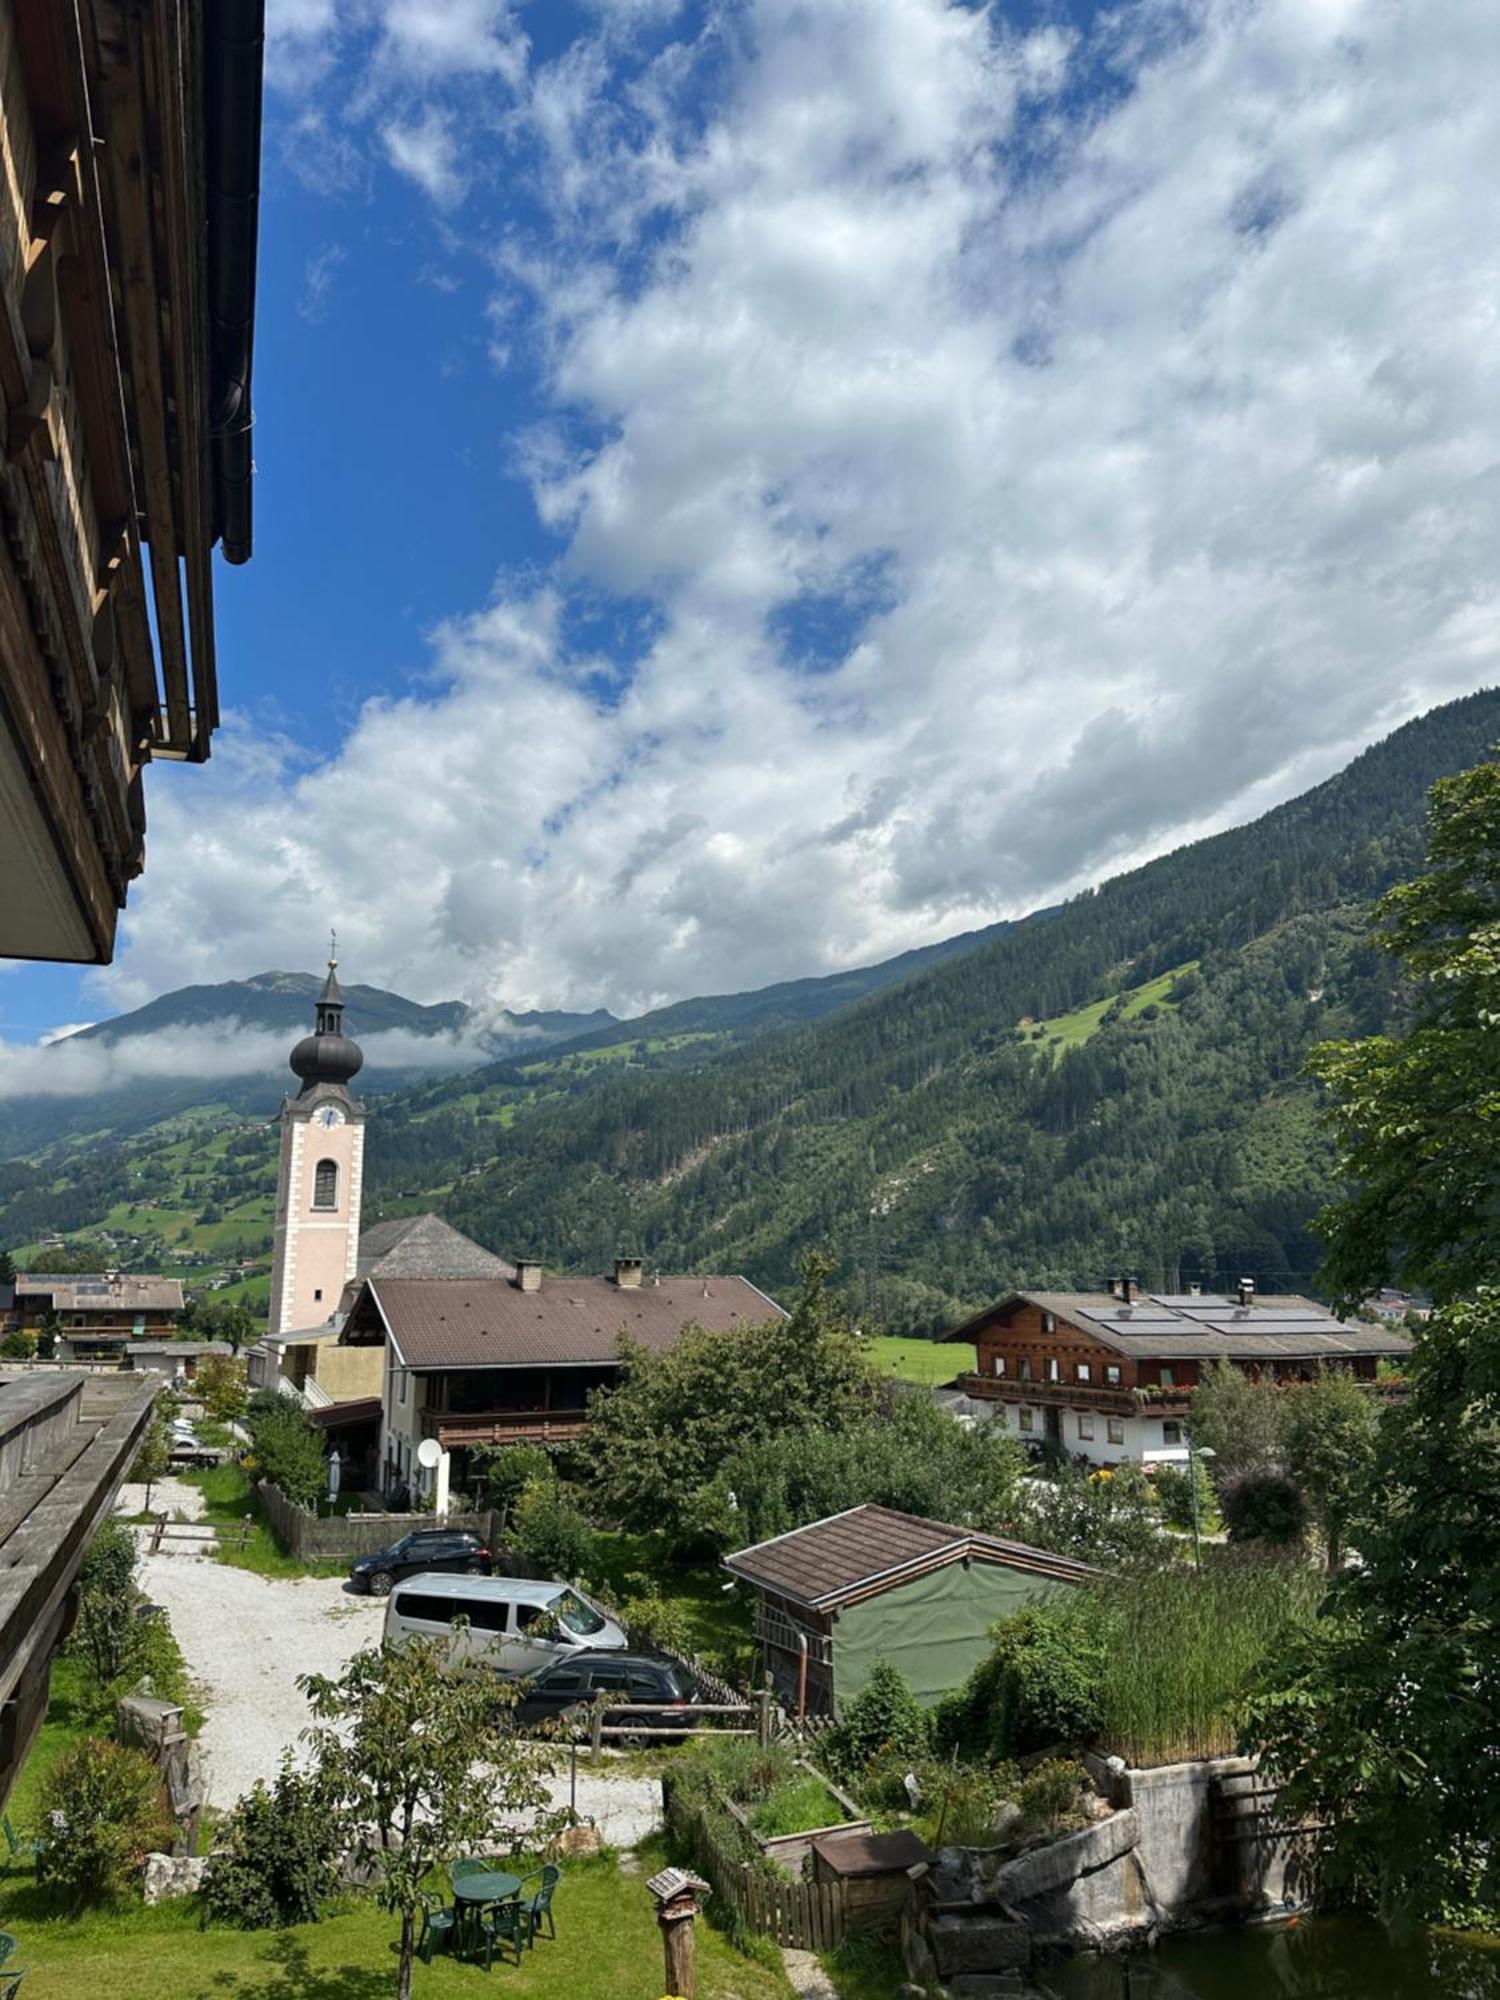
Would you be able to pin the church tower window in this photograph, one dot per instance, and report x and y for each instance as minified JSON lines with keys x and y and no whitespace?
{"x":326,"y":1184}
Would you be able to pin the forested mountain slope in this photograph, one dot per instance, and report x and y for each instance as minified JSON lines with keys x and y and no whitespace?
{"x":944,"y":1144}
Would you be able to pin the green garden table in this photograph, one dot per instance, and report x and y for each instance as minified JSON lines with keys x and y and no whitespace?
{"x":476,"y":1884}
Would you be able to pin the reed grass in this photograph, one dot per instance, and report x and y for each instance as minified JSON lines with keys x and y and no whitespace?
{"x":1182,"y":1648}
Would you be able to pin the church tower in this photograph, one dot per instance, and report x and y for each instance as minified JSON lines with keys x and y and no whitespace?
{"x":322,"y":1171}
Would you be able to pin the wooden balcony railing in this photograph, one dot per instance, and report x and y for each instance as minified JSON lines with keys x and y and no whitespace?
{"x":471,"y":1427}
{"x":1112,"y":1401}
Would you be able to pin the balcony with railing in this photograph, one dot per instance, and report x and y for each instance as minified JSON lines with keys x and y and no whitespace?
{"x":455,"y":1428}
{"x":1156,"y":1399}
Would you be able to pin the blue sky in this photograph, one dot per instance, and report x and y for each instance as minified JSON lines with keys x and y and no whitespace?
{"x":746,"y":488}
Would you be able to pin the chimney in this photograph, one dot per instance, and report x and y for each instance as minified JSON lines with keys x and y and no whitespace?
{"x":1128,"y":1290}
{"x":1246,"y":1290}
{"x":528,"y":1275}
{"x":628,"y":1273}
{"x":1195,"y":1290}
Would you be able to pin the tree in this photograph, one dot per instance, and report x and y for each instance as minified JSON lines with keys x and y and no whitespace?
{"x":1237,"y":1419}
{"x":1264,"y":1504}
{"x":1102,"y":1518}
{"x":1330,"y":1441}
{"x":154,"y":1457}
{"x":507,"y":1469}
{"x":288,"y":1449}
{"x":222,"y":1386}
{"x":657,"y":1442}
{"x":424,"y":1768}
{"x":549,"y":1529}
{"x":1414,"y":1114}
{"x":7,"y":1268}
{"x":1382,"y":1721}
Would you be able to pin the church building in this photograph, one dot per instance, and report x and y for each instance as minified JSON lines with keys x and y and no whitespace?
{"x":319,"y":1183}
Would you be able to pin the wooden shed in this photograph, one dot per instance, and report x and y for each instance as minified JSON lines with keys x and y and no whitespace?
{"x":873,"y":1869}
{"x":872,"y":1584}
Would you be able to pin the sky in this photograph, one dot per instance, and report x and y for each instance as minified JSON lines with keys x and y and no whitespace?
{"x":745,"y":488}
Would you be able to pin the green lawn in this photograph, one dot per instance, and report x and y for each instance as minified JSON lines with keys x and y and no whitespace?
{"x":228,"y":1497}
{"x":716,"y":1619}
{"x":607,"y":1948}
{"x":926,"y":1361}
{"x":1071,"y":1031}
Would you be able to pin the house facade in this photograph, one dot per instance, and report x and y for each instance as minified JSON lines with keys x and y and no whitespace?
{"x":97,"y":1316}
{"x":1108,"y":1376}
{"x":837,"y":1596}
{"x":513,"y":1360}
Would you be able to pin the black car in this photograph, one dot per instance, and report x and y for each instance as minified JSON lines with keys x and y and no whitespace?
{"x":422,"y":1549}
{"x":629,"y":1677}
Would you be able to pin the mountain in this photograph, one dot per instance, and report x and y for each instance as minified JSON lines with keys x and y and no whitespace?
{"x":1117,"y":1086}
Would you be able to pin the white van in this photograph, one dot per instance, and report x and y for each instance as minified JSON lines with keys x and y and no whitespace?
{"x":515,"y":1625}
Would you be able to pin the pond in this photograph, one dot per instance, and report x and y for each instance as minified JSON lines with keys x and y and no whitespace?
{"x":1323,"y":1958}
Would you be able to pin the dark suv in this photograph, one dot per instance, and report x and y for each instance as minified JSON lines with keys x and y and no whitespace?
{"x":628,"y":1677}
{"x":422,"y":1549}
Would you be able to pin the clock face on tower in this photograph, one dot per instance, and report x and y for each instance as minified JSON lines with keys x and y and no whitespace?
{"x":328,"y":1117}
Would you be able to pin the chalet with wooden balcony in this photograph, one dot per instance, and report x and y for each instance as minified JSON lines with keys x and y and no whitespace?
{"x":130,"y":133}
{"x":1108,"y":1376}
{"x":97,"y":1316}
{"x":514,"y":1360}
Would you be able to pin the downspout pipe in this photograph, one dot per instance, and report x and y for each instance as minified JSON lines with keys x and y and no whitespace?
{"x":801,"y":1677}
{"x":234,"y":36}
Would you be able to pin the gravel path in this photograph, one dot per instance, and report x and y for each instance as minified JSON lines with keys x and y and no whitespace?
{"x":172,"y":1496}
{"x":246,"y":1638}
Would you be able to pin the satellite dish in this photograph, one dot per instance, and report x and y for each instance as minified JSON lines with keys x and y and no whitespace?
{"x":429,"y":1451}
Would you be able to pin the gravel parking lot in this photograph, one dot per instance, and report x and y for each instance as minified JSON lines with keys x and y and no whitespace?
{"x":246,"y":1639}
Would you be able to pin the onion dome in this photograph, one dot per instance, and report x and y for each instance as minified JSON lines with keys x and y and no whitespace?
{"x":328,"y":1055}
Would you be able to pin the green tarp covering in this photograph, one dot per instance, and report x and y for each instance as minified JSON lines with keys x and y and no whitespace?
{"x":935,"y":1628}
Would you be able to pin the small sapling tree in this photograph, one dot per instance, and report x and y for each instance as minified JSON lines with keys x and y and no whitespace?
{"x":423,"y":1767}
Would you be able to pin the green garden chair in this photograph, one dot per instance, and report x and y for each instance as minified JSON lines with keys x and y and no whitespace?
{"x":539,"y":1905}
{"x":10,"y":1980}
{"x":438,"y":1926}
{"x":503,"y":1924}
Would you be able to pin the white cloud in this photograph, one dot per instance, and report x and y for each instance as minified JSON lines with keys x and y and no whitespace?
{"x":56,"y":1067}
{"x":61,"y":1034}
{"x":1013,"y":492}
{"x":318,"y":276}
{"x":427,"y":152}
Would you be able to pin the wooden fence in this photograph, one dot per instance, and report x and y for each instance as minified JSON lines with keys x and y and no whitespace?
{"x":805,"y":1916}
{"x":340,"y":1537}
{"x":207,"y":1536}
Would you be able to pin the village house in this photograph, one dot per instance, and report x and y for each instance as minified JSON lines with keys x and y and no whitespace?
{"x":128,"y":206}
{"x":96,"y":1316}
{"x":1107,"y":1376}
{"x":871,"y":1584}
{"x":513,"y":1360}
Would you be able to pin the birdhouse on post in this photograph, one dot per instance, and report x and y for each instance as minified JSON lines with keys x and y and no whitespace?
{"x":678,"y":1900}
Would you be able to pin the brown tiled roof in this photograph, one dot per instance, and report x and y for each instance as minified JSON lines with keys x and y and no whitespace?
{"x":100,"y":1292}
{"x":1173,"y":1326}
{"x":866,"y":1548}
{"x":492,"y":1323}
{"x":424,"y":1246}
{"x":359,"y":1410}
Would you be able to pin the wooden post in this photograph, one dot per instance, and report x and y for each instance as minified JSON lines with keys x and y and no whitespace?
{"x":156,"y":1534}
{"x":763,"y":1718}
{"x":596,"y":1728}
{"x":677,"y":1896}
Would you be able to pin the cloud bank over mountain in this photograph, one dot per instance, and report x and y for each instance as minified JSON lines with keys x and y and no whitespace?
{"x":973,"y":460}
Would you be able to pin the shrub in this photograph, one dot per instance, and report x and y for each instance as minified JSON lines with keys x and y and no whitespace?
{"x":288,"y":1448}
{"x":222,"y":1387}
{"x":1050,"y":1793}
{"x":743,"y":1769}
{"x":107,"y":1594}
{"x":657,"y":1622}
{"x":550,"y":1531}
{"x":885,"y":1714}
{"x":19,"y":1345}
{"x":101,"y":1813}
{"x":1042,"y":1684}
{"x":1264,"y":1505}
{"x":275,"y":1857}
{"x":1177,"y":1492}
{"x":506,"y":1471}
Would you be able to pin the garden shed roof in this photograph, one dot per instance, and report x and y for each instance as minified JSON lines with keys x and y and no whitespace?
{"x":866,"y":1550}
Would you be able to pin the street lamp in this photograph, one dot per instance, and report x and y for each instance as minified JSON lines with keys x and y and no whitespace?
{"x":1205,"y":1452}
